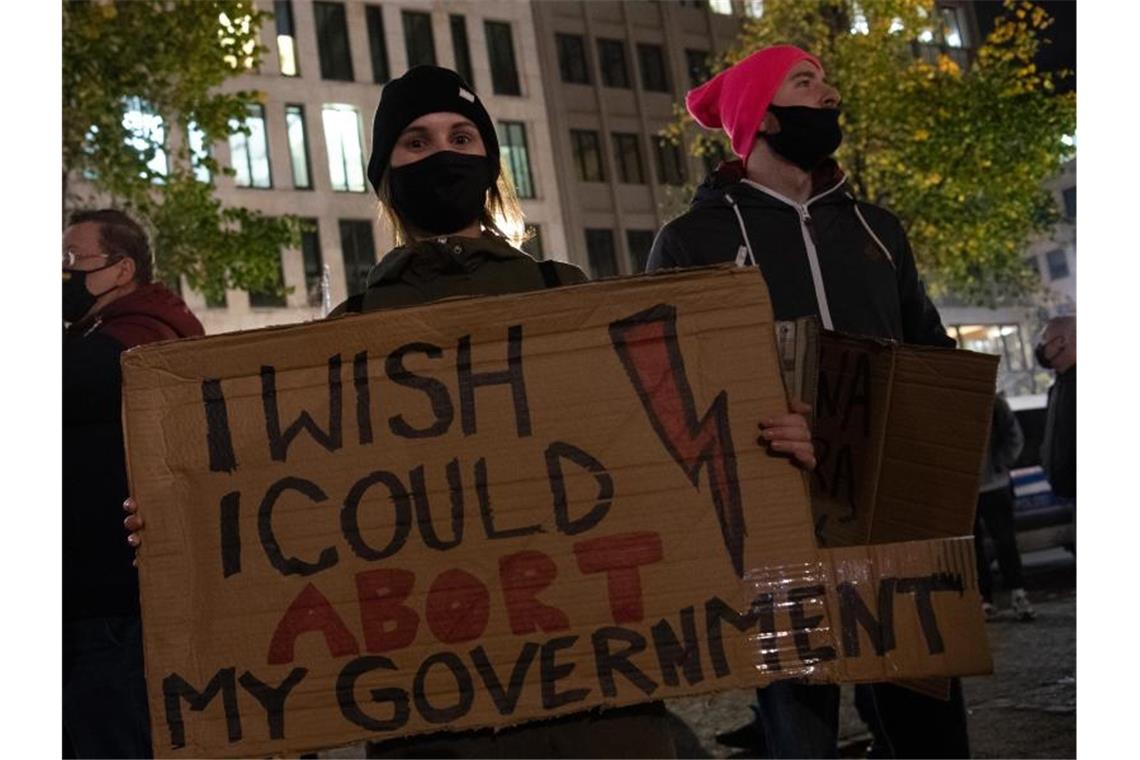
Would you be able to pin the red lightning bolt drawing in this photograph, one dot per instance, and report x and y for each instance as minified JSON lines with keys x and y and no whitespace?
{"x":647,"y":345}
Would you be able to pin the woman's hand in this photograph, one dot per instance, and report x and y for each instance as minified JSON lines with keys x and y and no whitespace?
{"x":134,"y":525}
{"x":790,"y":434}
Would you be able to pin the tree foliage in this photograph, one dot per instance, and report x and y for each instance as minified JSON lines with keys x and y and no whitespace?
{"x":174,"y":56}
{"x":960,"y":154}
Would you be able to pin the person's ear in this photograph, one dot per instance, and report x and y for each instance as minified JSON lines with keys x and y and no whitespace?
{"x":126,"y":271}
{"x":770,"y":125}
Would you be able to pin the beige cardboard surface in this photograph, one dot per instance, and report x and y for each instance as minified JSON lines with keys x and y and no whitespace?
{"x":492,"y":510}
{"x":900,"y":433}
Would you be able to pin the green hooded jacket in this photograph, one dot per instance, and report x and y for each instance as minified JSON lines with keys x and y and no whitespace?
{"x":428,"y":270}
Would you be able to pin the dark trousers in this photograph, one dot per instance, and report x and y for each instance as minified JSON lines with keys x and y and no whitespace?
{"x":799,"y":720}
{"x":905,"y":723}
{"x":995,"y":513}
{"x":104,"y":691}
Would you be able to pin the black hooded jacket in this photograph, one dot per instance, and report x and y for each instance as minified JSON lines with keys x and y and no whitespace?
{"x":843,"y":260}
{"x":98,"y":578}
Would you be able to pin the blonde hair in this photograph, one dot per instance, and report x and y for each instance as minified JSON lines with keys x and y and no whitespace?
{"x":502,"y":215}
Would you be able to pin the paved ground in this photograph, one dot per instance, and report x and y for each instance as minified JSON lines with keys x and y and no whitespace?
{"x":1027,"y":708}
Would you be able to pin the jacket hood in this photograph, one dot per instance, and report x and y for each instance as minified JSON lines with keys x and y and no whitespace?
{"x":729,"y":176}
{"x":158,"y":302}
{"x":428,"y":259}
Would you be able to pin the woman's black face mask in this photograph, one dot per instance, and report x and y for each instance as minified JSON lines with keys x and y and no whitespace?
{"x":807,"y":135}
{"x":442,"y":193}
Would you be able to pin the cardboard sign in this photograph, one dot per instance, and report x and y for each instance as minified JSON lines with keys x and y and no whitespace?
{"x":897,"y":433}
{"x":487,"y":511}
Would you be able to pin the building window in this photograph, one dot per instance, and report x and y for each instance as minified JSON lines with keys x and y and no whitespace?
{"x":653,"y":74}
{"x":332,"y":41}
{"x":286,"y":37}
{"x":1034,"y":265}
{"x":514,"y":153}
{"x":572,"y":58}
{"x":753,"y":8}
{"x":1002,"y":340}
{"x":146,"y":130}
{"x":533,"y":244}
{"x":312,"y":260}
{"x":615,"y":72}
{"x":462,"y":49}
{"x":697,"y":62}
{"x":249,"y":154}
{"x":627,"y":152}
{"x":377,"y":44}
{"x":1069,"y":196}
{"x":723,"y":7}
{"x":1058,"y":264}
{"x":418,"y":39}
{"x":298,"y":147}
{"x":670,"y":165}
{"x":269,"y":299}
{"x":345,"y":147}
{"x":501,"y":53}
{"x":587,"y":155}
{"x":639,"y":242}
{"x":954,"y":28}
{"x":600,"y":248}
{"x":359,"y":253}
{"x":199,"y":152}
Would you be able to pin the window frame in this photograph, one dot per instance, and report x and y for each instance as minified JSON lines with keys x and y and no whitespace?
{"x":356,"y":225}
{"x":604,"y":60}
{"x":344,"y":108}
{"x":661,"y":66}
{"x":457,"y":22}
{"x":594,"y":233}
{"x":377,"y":43}
{"x":512,"y":84}
{"x":636,"y":264}
{"x":407,"y":18}
{"x":332,"y":70}
{"x":622,"y":141}
{"x":285,"y":25}
{"x":313,"y":234}
{"x":561,"y":40}
{"x":577,"y":136}
{"x":300,"y":111}
{"x":250,"y":107}
{"x":507,"y":155}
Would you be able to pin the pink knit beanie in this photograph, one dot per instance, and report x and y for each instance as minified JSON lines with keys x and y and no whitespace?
{"x":737,"y":98}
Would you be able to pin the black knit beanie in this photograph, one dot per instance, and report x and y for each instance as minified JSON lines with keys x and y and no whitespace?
{"x":423,"y":90}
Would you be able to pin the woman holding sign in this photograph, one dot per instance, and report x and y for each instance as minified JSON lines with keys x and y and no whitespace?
{"x":436,"y":169}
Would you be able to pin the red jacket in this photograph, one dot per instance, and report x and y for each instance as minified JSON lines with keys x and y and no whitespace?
{"x":147,"y":315}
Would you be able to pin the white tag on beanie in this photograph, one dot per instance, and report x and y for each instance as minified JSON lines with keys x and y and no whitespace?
{"x":468,"y":96}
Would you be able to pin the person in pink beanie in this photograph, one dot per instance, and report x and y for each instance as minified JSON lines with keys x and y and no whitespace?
{"x":783,"y":205}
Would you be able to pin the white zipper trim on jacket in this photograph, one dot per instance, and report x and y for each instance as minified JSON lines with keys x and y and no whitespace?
{"x":744,"y":255}
{"x":809,"y":244}
{"x":871,"y":232}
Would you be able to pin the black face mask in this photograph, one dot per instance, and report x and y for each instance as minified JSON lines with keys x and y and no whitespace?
{"x":806,"y":136}
{"x":77,"y":299}
{"x":1042,"y":359}
{"x":442,"y":193}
